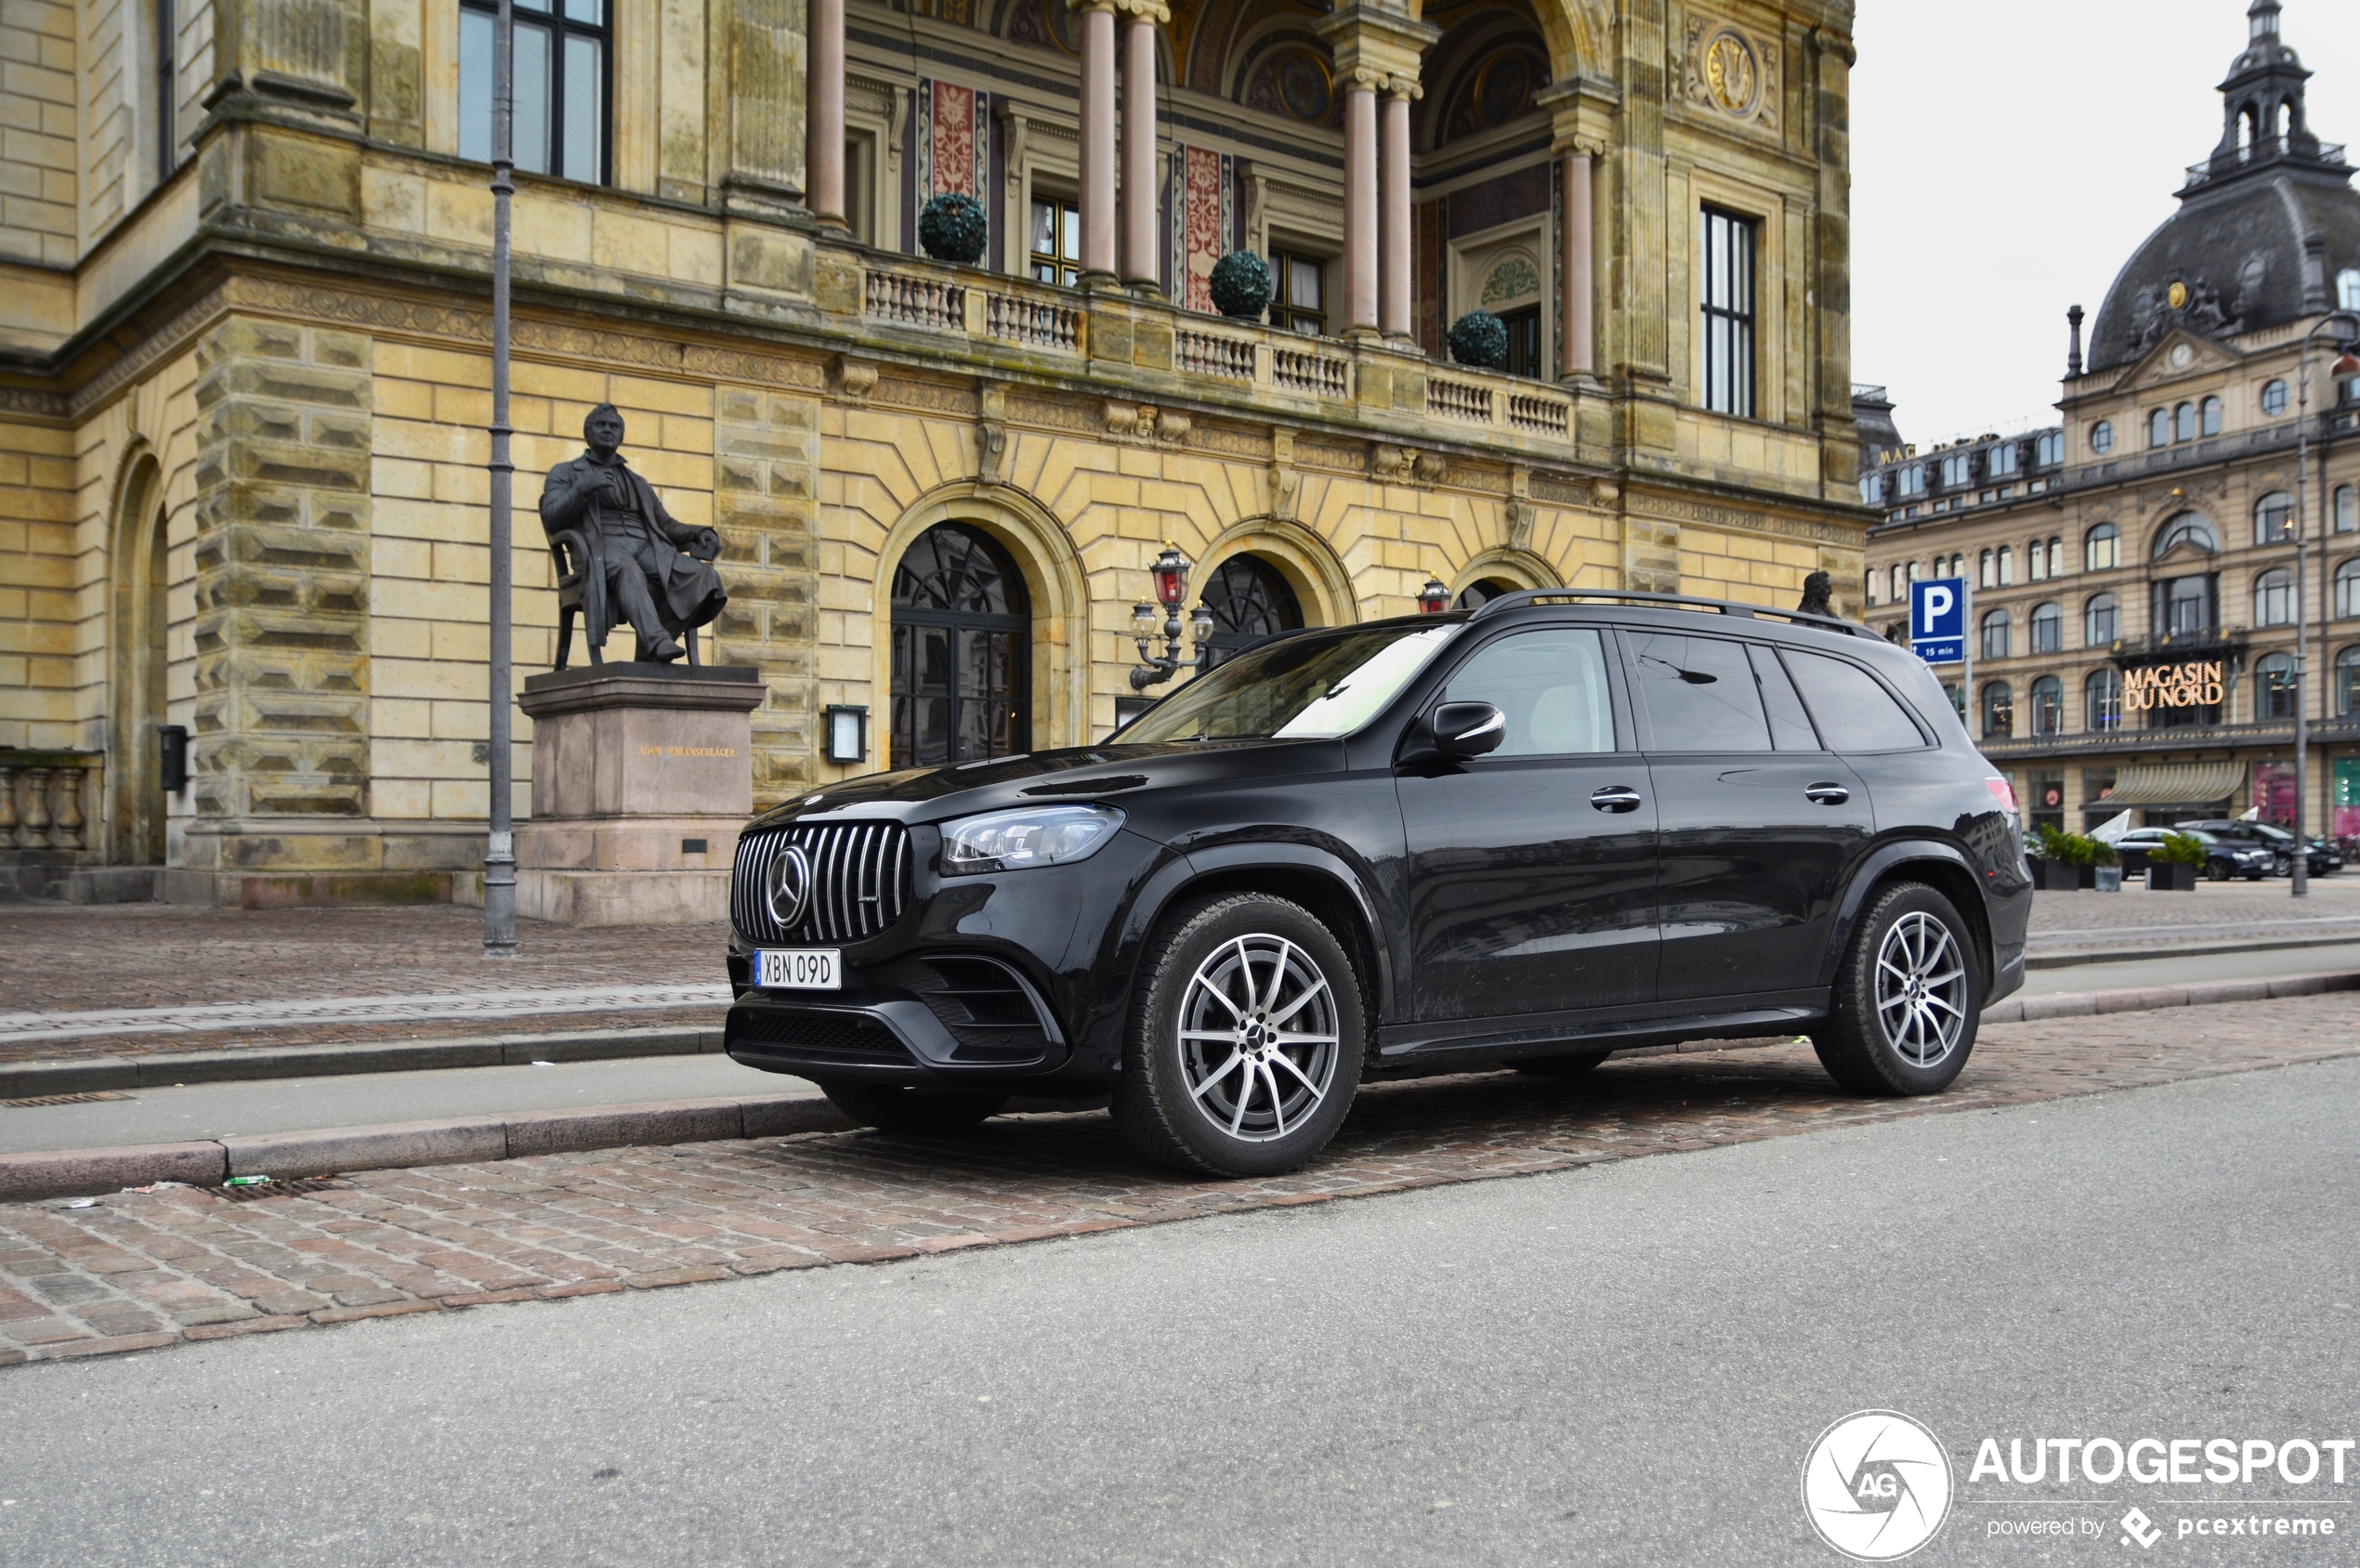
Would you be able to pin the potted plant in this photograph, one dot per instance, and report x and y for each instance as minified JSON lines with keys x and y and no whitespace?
{"x":1241,"y":286}
{"x":2173,"y":864}
{"x":1479,"y":339}
{"x":2069,"y":861}
{"x":951,"y":227}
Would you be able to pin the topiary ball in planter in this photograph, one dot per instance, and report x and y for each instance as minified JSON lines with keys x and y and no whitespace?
{"x":952,"y":227}
{"x":1242,"y":285}
{"x":1480,"y":339}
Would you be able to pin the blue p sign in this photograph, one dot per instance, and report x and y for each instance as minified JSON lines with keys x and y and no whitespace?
{"x":1938,"y":620}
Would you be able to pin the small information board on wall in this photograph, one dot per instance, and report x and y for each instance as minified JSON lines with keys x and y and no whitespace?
{"x":1938,"y":620}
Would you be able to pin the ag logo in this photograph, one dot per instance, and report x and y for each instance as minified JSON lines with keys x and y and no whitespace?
{"x":786,"y":886}
{"x":1877,"y":1485}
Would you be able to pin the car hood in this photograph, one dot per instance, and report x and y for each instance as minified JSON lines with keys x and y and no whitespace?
{"x":1077,"y":776}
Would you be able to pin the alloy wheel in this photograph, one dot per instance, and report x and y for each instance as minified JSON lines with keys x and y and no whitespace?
{"x":1258,"y":1037}
{"x":1922,"y":990}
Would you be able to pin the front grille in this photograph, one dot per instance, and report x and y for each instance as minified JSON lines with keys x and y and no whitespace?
{"x":859,"y":881}
{"x":831,"y":1035}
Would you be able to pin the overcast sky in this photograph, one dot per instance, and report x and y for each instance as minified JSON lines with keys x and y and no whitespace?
{"x":2007,"y":158}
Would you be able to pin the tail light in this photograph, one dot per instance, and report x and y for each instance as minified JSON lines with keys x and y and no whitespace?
{"x":2003,"y":792}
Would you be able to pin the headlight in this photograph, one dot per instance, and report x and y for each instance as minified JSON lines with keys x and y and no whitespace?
{"x":1018,"y":841}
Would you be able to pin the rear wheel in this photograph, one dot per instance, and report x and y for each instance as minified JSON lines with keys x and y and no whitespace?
{"x":1245,"y":1042}
{"x":1575,"y":1065}
{"x":1908,"y":998}
{"x":889,"y":1107}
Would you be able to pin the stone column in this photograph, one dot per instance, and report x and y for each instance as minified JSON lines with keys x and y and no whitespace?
{"x":825,"y":94}
{"x":1097,"y":139}
{"x":1360,"y":247}
{"x":1580,"y":297}
{"x":1139,"y":226}
{"x":1393,"y":216}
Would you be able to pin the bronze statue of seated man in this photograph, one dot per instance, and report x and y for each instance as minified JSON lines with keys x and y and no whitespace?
{"x":658,"y":570}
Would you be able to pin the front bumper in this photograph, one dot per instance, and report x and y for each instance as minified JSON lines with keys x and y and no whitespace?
{"x":939,"y":1019}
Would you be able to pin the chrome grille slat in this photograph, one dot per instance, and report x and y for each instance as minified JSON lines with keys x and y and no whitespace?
{"x":851,"y":863}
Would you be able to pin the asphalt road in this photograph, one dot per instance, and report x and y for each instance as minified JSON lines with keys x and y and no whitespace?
{"x":1619,"y":1365}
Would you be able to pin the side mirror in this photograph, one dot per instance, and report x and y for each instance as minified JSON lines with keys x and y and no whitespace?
{"x":1468,"y":729}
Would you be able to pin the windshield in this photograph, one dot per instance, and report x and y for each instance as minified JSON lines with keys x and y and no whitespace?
{"x":1301,"y":688}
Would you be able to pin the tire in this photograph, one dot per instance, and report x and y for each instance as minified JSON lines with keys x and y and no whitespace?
{"x":1877,"y":1040}
{"x":1209,"y":1086}
{"x":2216,"y":871}
{"x":915,"y":1113}
{"x":1579,"y":1064}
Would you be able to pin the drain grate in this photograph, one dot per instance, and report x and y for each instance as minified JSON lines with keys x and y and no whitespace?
{"x":90,"y":1099}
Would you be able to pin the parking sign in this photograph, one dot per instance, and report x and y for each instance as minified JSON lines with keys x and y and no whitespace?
{"x":1938,"y":620}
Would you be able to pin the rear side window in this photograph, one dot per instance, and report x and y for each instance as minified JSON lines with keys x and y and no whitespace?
{"x":1699,"y":692}
{"x":1551,"y":685}
{"x":1853,"y":710}
{"x":1789,"y":725}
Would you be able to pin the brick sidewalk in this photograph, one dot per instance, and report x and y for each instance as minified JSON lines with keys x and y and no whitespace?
{"x":138,"y":1271}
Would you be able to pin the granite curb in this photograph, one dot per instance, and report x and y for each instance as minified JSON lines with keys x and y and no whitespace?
{"x":2150,"y":998}
{"x":2069,"y":958}
{"x":449,"y":1140}
{"x":166,"y":1069}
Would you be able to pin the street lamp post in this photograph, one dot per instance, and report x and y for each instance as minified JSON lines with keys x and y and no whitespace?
{"x":499,"y":852}
{"x":1170,"y":574}
{"x":2347,"y":329}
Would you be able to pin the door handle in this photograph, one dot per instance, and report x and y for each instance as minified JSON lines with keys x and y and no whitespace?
{"x":1614,"y":797}
{"x":1826,"y":794}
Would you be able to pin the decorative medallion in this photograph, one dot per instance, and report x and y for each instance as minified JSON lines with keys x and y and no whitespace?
{"x":2178,"y":295}
{"x":1723,"y":69}
{"x":1729,"y":73}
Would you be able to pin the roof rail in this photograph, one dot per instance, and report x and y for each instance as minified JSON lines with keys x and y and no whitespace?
{"x":1523,"y":596}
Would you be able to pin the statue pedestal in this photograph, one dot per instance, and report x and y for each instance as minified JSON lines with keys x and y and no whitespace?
{"x":642,"y":779}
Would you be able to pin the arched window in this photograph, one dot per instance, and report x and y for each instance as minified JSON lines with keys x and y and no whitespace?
{"x":2101,"y":701}
{"x":2189,"y":528}
{"x":2102,"y":548}
{"x":2048,"y":448}
{"x":2274,"y":598}
{"x":1999,"y":712}
{"x":1995,"y":634}
{"x":2348,"y":683}
{"x":2274,"y":687}
{"x":2100,"y":620}
{"x":2160,"y":427}
{"x":2348,"y":590}
{"x":1869,"y":585}
{"x":1474,"y":593}
{"x":2006,"y":460}
{"x":2102,"y":438}
{"x":2048,"y":629}
{"x":2213,"y":416}
{"x":1901,"y":580}
{"x":2007,"y":567}
{"x":2347,"y":509}
{"x":1871,"y":487}
{"x":2274,"y":519}
{"x":1959,"y":566}
{"x":1986,"y":571}
{"x":2048,"y":706}
{"x":2184,"y":423}
{"x":2035,"y":563}
{"x":2056,"y":556}
{"x":961,"y":651}
{"x":2273,"y":399}
{"x":1250,"y":601}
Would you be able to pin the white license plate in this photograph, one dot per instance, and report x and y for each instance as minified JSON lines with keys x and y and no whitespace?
{"x":797,"y":969}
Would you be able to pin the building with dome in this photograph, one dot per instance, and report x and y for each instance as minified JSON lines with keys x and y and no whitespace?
{"x":2135,"y":566}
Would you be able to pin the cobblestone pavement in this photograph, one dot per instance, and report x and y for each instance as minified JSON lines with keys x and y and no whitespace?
{"x":142,"y":1270}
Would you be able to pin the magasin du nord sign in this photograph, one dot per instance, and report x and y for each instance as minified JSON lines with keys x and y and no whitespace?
{"x":2195,"y":684}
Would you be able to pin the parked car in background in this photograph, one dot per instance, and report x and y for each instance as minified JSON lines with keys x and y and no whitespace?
{"x":2222,"y":859}
{"x":1561,"y":825}
{"x":2325,"y":859}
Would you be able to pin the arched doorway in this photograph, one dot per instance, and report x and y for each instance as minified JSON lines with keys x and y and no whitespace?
{"x":961,"y":651}
{"x":1249,"y":601}
{"x":135,"y":804}
{"x":1483,"y":590}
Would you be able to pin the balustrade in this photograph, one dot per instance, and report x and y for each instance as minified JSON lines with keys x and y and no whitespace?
{"x":1457,"y":399}
{"x":41,"y":799}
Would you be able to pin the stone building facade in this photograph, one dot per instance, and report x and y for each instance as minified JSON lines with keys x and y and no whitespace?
{"x":244,"y":365}
{"x":2136,"y":567}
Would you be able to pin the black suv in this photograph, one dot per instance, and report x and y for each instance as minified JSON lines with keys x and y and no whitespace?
{"x":1562,"y":824}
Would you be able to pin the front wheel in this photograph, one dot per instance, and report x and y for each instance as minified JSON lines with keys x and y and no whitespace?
{"x":1245,"y":1041}
{"x":2217,"y":870}
{"x":915,"y":1112}
{"x":1908,"y":998}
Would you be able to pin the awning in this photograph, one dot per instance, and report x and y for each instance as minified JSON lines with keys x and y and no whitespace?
{"x":2157,"y":784}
